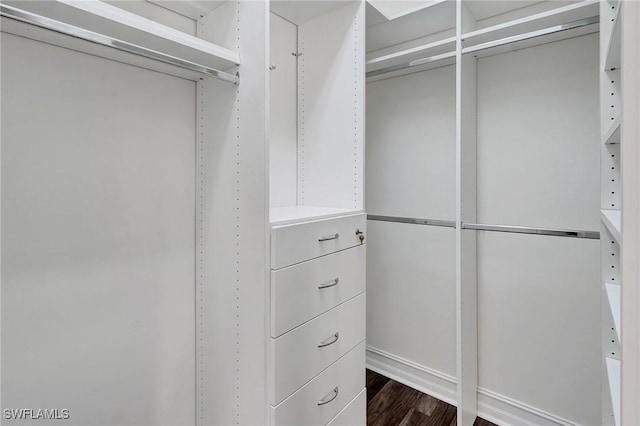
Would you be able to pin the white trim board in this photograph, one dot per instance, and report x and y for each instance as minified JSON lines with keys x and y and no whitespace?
{"x":493,"y":407}
{"x":416,"y":376}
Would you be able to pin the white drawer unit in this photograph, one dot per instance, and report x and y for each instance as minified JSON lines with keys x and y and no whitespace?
{"x":302,"y":353}
{"x":320,"y":400}
{"x":295,"y":243}
{"x":353,"y":414}
{"x":306,"y":290}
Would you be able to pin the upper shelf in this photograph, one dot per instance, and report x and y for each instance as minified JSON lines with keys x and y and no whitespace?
{"x":415,"y":53}
{"x":612,"y":219}
{"x":419,"y":58}
{"x":555,"y":17}
{"x":96,"y":21}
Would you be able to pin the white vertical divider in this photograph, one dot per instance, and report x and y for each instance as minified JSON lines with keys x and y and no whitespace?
{"x":631,"y":214}
{"x":231,"y":223}
{"x":466,"y":258}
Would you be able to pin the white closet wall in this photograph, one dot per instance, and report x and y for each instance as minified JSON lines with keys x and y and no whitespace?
{"x":538,"y":162}
{"x":410,"y":145}
{"x":411,"y":268}
{"x":97,"y":236}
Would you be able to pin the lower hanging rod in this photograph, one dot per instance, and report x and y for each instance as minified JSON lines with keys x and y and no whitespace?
{"x":413,"y":221}
{"x":533,"y":34}
{"x":103,"y":40}
{"x":594,"y":235}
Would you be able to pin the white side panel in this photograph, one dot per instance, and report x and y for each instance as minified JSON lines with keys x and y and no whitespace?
{"x":283,"y":162}
{"x":539,"y":322}
{"x":538,"y":136}
{"x":631,"y":215}
{"x":98,"y":238}
{"x":466,"y":211}
{"x":331,"y":108}
{"x":411,"y":145}
{"x":232,"y":214}
{"x":411,"y":293}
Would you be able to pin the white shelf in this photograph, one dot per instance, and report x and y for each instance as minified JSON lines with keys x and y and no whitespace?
{"x":111,"y":21}
{"x":288,"y":214}
{"x":613,"y":133}
{"x":561,"y":15}
{"x":613,"y":295}
{"x":613,"y":221}
{"x":613,"y":58}
{"x":426,"y":50}
{"x":613,"y":373}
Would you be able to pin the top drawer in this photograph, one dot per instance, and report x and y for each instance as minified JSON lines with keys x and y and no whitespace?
{"x":298,"y":242}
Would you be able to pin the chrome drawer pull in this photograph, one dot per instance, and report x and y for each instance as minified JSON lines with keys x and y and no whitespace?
{"x":329,"y":397}
{"x":329,"y":237}
{"x":330,"y":341}
{"x":329,"y":283}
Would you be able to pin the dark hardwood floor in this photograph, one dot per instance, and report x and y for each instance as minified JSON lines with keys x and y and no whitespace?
{"x":390,"y":403}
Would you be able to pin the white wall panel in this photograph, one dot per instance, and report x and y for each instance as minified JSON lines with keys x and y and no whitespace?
{"x":539,"y":322}
{"x":538,"y":136}
{"x":411,"y":294}
{"x":330,"y":109}
{"x":283,"y":140}
{"x":411,"y":145}
{"x":97,"y":238}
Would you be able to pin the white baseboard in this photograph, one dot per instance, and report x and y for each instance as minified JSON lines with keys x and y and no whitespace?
{"x":416,"y":376}
{"x":491,"y":406}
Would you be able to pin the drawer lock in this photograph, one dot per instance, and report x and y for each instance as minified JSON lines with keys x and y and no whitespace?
{"x":360,"y":235}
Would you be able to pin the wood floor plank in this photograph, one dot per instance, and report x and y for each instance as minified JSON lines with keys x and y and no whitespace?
{"x":415,"y":418}
{"x":390,"y":403}
{"x":443,"y":415}
{"x":375,"y":382}
{"x":427,"y":404}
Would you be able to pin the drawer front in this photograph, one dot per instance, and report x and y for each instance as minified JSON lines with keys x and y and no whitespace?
{"x":354,"y":414}
{"x":336,"y":387}
{"x":302,"y":353}
{"x":303,"y":291}
{"x":295,"y":243}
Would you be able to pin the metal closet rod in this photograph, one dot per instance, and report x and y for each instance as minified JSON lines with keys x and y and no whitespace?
{"x":594,"y":235}
{"x":413,"y":220}
{"x":495,"y":43}
{"x":496,"y":228}
{"x":83,"y":34}
{"x":533,"y":34}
